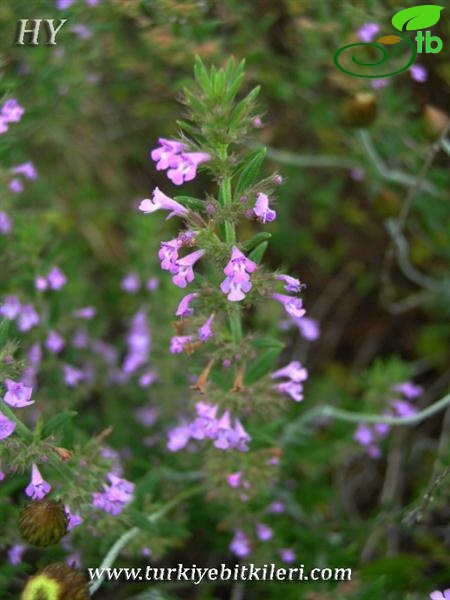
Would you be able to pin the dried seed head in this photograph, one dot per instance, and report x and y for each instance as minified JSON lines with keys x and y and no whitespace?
{"x":43,"y":522}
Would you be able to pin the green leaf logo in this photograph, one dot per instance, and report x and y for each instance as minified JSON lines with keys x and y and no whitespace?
{"x":417,"y":17}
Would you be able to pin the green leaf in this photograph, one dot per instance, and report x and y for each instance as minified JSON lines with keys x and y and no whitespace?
{"x":201,"y":75}
{"x":141,"y":521}
{"x":262,"y":365}
{"x":258,"y":253}
{"x":417,"y":17}
{"x":4,"y":326}
{"x":254,"y":241}
{"x":250,"y":170}
{"x":190,"y":202}
{"x":267,"y":342}
{"x":57,"y":421}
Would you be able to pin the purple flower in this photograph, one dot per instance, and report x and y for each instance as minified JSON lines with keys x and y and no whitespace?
{"x":54,"y":342}
{"x":168,"y":255}
{"x":116,"y":495}
{"x":263,"y":532}
{"x":152,"y":284}
{"x":294,"y":371}
{"x":10,"y":307}
{"x":16,"y":186}
{"x":368,"y":31}
{"x":185,"y":168}
{"x":445,"y":595}
{"x":63,"y":4}
{"x":292,"y":284}
{"x":56,"y":279}
{"x":262,"y":211}
{"x":205,"y":331}
{"x":240,"y":545}
{"x":74,"y":519}
{"x":309,"y":328}
{"x":178,"y":438}
{"x":38,"y":488}
{"x":146,"y":415}
{"x":41,"y":283}
{"x":408,"y":389}
{"x":185,"y":271}
{"x":139,"y":342}
{"x":6,"y":426}
{"x":11,"y":111}
{"x":184,"y":309}
{"x":28,"y":318}
{"x":15,"y":554}
{"x":380,"y":83}
{"x":167,"y":154}
{"x":147,"y":378}
{"x":234,"y":479}
{"x":27,"y":169}
{"x":287,"y":555}
{"x":82,"y":31}
{"x":293,"y":306}
{"x":85,"y":313}
{"x":237,"y":282}
{"x":18,"y":395}
{"x":131,"y":283}
{"x":5,"y":223}
{"x":178,"y":343}
{"x":292,"y":389}
{"x":276,"y":507}
{"x":72,"y":375}
{"x":404,"y":408}
{"x":363,"y":435}
{"x":160,"y":201}
{"x":418,"y":73}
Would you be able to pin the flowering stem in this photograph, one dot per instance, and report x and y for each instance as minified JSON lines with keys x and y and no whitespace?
{"x":234,"y":315}
{"x":358,"y":417}
{"x":120,"y":544}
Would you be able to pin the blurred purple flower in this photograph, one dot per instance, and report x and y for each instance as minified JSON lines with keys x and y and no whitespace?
{"x":131,"y":283}
{"x":27,"y":318}
{"x":10,"y":308}
{"x":262,"y":210}
{"x":54,"y":342}
{"x":263,"y":532}
{"x":205,"y":331}
{"x":6,"y":426}
{"x":28,"y":170}
{"x":56,"y":279}
{"x":240,"y":545}
{"x":18,"y":395}
{"x":15,"y":554}
{"x":72,"y":375}
{"x":368,"y":31}
{"x":418,"y":73}
{"x":38,"y":488}
{"x":293,"y":306}
{"x":5,"y":223}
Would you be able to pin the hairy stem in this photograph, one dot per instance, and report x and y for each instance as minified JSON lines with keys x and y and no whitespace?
{"x":124,"y":539}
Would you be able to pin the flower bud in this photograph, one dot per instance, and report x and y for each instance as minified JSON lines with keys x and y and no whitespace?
{"x":43,"y":522}
{"x":434,"y":122}
{"x":359,"y":111}
{"x":57,"y":581}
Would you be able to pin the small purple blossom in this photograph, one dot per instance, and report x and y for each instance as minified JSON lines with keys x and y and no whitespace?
{"x":237,"y":282}
{"x":28,"y":170}
{"x":10,"y":308}
{"x":178,"y":438}
{"x":5,"y":223}
{"x":185,"y":168}
{"x":240,"y":544}
{"x":82,"y":31}
{"x":18,"y":395}
{"x":11,"y":111}
{"x":75,"y":519}
{"x":116,"y":495}
{"x":287,"y":555}
{"x":6,"y":426}
{"x":205,"y":331}
{"x":38,"y":488}
{"x":380,"y":83}
{"x":178,"y":343}
{"x":292,"y":284}
{"x":15,"y":554}
{"x":72,"y":375}
{"x":152,"y":284}
{"x":56,"y":279}
{"x":263,"y":213}
{"x":138,"y":342}
{"x":419,"y":73}
{"x":184,"y":309}
{"x":54,"y":342}
{"x":437,"y":595}
{"x":160,"y":201}
{"x":147,"y":378}
{"x":87,"y":313}
{"x":27,"y":318}
{"x":168,"y":255}
{"x":294,"y":371}
{"x":277,"y":507}
{"x":41,"y":283}
{"x":293,"y":306}
{"x":131,"y":283}
{"x":234,"y":479}
{"x":291,"y":388}
{"x":167,"y":154}
{"x":309,"y":328}
{"x":263,"y":532}
{"x":185,"y":271}
{"x":16,"y":186}
{"x":409,"y":389}
{"x":64,"y":4}
{"x":368,"y":31}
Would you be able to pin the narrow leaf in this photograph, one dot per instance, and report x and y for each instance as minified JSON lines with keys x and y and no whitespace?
{"x":262,"y":365}
{"x":258,"y":253}
{"x":250,"y":170}
{"x":57,"y":421}
{"x":254,"y":241}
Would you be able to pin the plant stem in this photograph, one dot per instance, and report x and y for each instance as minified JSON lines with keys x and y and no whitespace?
{"x":120,"y":544}
{"x":359,"y":417}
